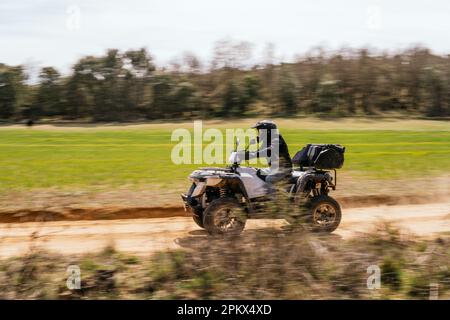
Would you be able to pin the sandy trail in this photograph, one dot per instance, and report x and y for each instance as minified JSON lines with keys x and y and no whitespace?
{"x":145,"y":236}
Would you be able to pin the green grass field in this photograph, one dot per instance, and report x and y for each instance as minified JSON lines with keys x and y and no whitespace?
{"x":137,"y":156}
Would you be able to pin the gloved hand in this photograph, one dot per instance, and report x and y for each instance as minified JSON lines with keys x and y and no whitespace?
{"x":242,"y":155}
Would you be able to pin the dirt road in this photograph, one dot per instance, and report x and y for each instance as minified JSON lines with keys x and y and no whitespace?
{"x":144,"y":236}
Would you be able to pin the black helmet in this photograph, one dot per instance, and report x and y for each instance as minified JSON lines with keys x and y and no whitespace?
{"x":265,"y":124}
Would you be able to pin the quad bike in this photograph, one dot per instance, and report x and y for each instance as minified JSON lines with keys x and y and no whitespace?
{"x":221,"y":199}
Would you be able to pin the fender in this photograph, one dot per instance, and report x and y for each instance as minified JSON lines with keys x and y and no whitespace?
{"x":242,"y":189}
{"x":240,"y":184}
{"x":311,"y":176}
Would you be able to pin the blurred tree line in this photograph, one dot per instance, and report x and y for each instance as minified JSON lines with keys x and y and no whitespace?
{"x":127,"y":86}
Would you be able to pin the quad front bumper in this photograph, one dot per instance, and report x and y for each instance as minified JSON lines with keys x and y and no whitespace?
{"x":189,"y":203}
{"x":185,"y":201}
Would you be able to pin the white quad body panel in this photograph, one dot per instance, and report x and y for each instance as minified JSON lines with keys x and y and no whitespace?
{"x":254,"y":186}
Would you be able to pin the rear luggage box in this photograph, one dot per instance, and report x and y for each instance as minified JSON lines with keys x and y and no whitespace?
{"x":320,"y":156}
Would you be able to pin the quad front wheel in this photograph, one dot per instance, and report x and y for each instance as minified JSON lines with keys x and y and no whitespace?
{"x":198,"y":219}
{"x":224,"y":216}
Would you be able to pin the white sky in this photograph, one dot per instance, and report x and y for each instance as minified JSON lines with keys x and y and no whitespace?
{"x":58,"y":32}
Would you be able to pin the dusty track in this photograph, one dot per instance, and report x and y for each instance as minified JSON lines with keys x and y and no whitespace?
{"x":138,"y":212}
{"x":144,"y":236}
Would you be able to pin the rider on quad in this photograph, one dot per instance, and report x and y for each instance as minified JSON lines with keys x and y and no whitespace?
{"x":221,"y":199}
{"x":274,"y":149}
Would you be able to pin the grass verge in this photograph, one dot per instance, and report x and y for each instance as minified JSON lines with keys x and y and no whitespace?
{"x":268,"y":264}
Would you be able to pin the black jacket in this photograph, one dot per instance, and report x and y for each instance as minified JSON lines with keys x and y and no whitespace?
{"x":285,"y":161}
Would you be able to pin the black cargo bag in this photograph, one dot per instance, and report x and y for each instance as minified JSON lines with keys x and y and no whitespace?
{"x":320,"y":156}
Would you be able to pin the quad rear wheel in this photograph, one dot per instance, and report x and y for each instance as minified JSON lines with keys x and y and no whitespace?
{"x":324,"y":214}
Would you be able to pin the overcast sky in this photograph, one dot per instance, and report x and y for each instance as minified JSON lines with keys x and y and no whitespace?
{"x":58,"y":32}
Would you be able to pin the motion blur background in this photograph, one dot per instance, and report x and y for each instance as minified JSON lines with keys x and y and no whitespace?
{"x":90,"y":93}
{"x":146,"y":60}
